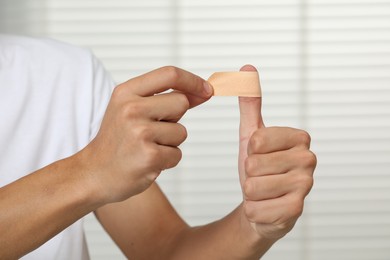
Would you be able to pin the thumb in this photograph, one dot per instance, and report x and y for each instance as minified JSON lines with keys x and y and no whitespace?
{"x":250,"y":112}
{"x":250,"y":121}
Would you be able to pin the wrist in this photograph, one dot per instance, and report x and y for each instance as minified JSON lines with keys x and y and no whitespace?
{"x":83,"y":181}
{"x":257,"y":243}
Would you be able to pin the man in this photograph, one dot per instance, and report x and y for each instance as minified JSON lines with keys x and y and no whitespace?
{"x":66,"y":153}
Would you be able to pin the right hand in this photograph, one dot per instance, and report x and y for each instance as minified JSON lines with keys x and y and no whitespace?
{"x":139,"y":135}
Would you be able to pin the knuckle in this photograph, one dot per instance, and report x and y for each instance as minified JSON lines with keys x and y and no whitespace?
{"x":151,"y":156}
{"x":305,"y":183}
{"x":296,"y":208}
{"x":247,"y":188}
{"x":308,"y":182}
{"x":308,"y":159}
{"x":143,"y":132}
{"x":133,"y":109}
{"x":118,"y":91}
{"x":172,"y":73}
{"x":250,"y":165}
{"x":303,"y":137}
{"x":311,"y":160}
{"x":258,"y":141}
{"x":183,"y":102}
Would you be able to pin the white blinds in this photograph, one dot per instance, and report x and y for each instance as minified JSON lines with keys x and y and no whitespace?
{"x":348,"y":101}
{"x":325,"y":67}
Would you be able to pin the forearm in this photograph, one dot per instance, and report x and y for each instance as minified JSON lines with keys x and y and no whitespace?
{"x":228,"y":238}
{"x":37,"y":207}
{"x":147,"y":227}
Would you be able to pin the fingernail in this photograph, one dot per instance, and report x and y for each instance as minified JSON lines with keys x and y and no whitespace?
{"x":208,"y":89}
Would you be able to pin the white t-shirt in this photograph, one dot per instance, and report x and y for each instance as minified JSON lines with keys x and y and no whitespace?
{"x":52,"y":99}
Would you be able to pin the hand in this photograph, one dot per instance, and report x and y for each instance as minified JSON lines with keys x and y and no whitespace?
{"x":139,"y":135}
{"x":276,"y":171}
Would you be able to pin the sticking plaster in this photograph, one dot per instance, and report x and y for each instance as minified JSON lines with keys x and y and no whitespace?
{"x":242,"y":83}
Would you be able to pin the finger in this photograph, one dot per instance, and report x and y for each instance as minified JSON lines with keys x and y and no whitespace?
{"x":274,"y":211}
{"x":170,"y":134}
{"x":250,"y":112}
{"x":267,"y":187}
{"x":168,"y":106}
{"x":194,"y":100}
{"x":271,"y":163}
{"x":272,"y":139}
{"x":169,"y":77}
{"x":279,"y":162}
{"x":169,"y":157}
{"x":250,"y":121}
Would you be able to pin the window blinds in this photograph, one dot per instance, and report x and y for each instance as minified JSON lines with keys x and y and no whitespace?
{"x":324,"y":67}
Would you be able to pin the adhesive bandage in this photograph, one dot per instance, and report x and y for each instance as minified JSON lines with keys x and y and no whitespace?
{"x":242,"y":83}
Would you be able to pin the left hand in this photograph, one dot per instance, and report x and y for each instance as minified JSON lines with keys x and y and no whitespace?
{"x":276,"y":171}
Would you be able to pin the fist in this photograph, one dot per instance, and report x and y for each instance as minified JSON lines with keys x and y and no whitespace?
{"x":278,"y":176}
{"x":276,"y":171}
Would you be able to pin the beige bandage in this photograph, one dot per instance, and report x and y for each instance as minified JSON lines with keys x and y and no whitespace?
{"x":242,"y":83}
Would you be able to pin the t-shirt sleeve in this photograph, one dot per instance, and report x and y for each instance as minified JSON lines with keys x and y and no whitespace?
{"x":103,"y":85}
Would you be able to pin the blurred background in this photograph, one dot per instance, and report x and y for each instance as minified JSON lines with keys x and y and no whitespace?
{"x":324,"y":67}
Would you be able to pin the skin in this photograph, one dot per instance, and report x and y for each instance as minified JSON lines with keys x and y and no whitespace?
{"x":114,"y":177}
